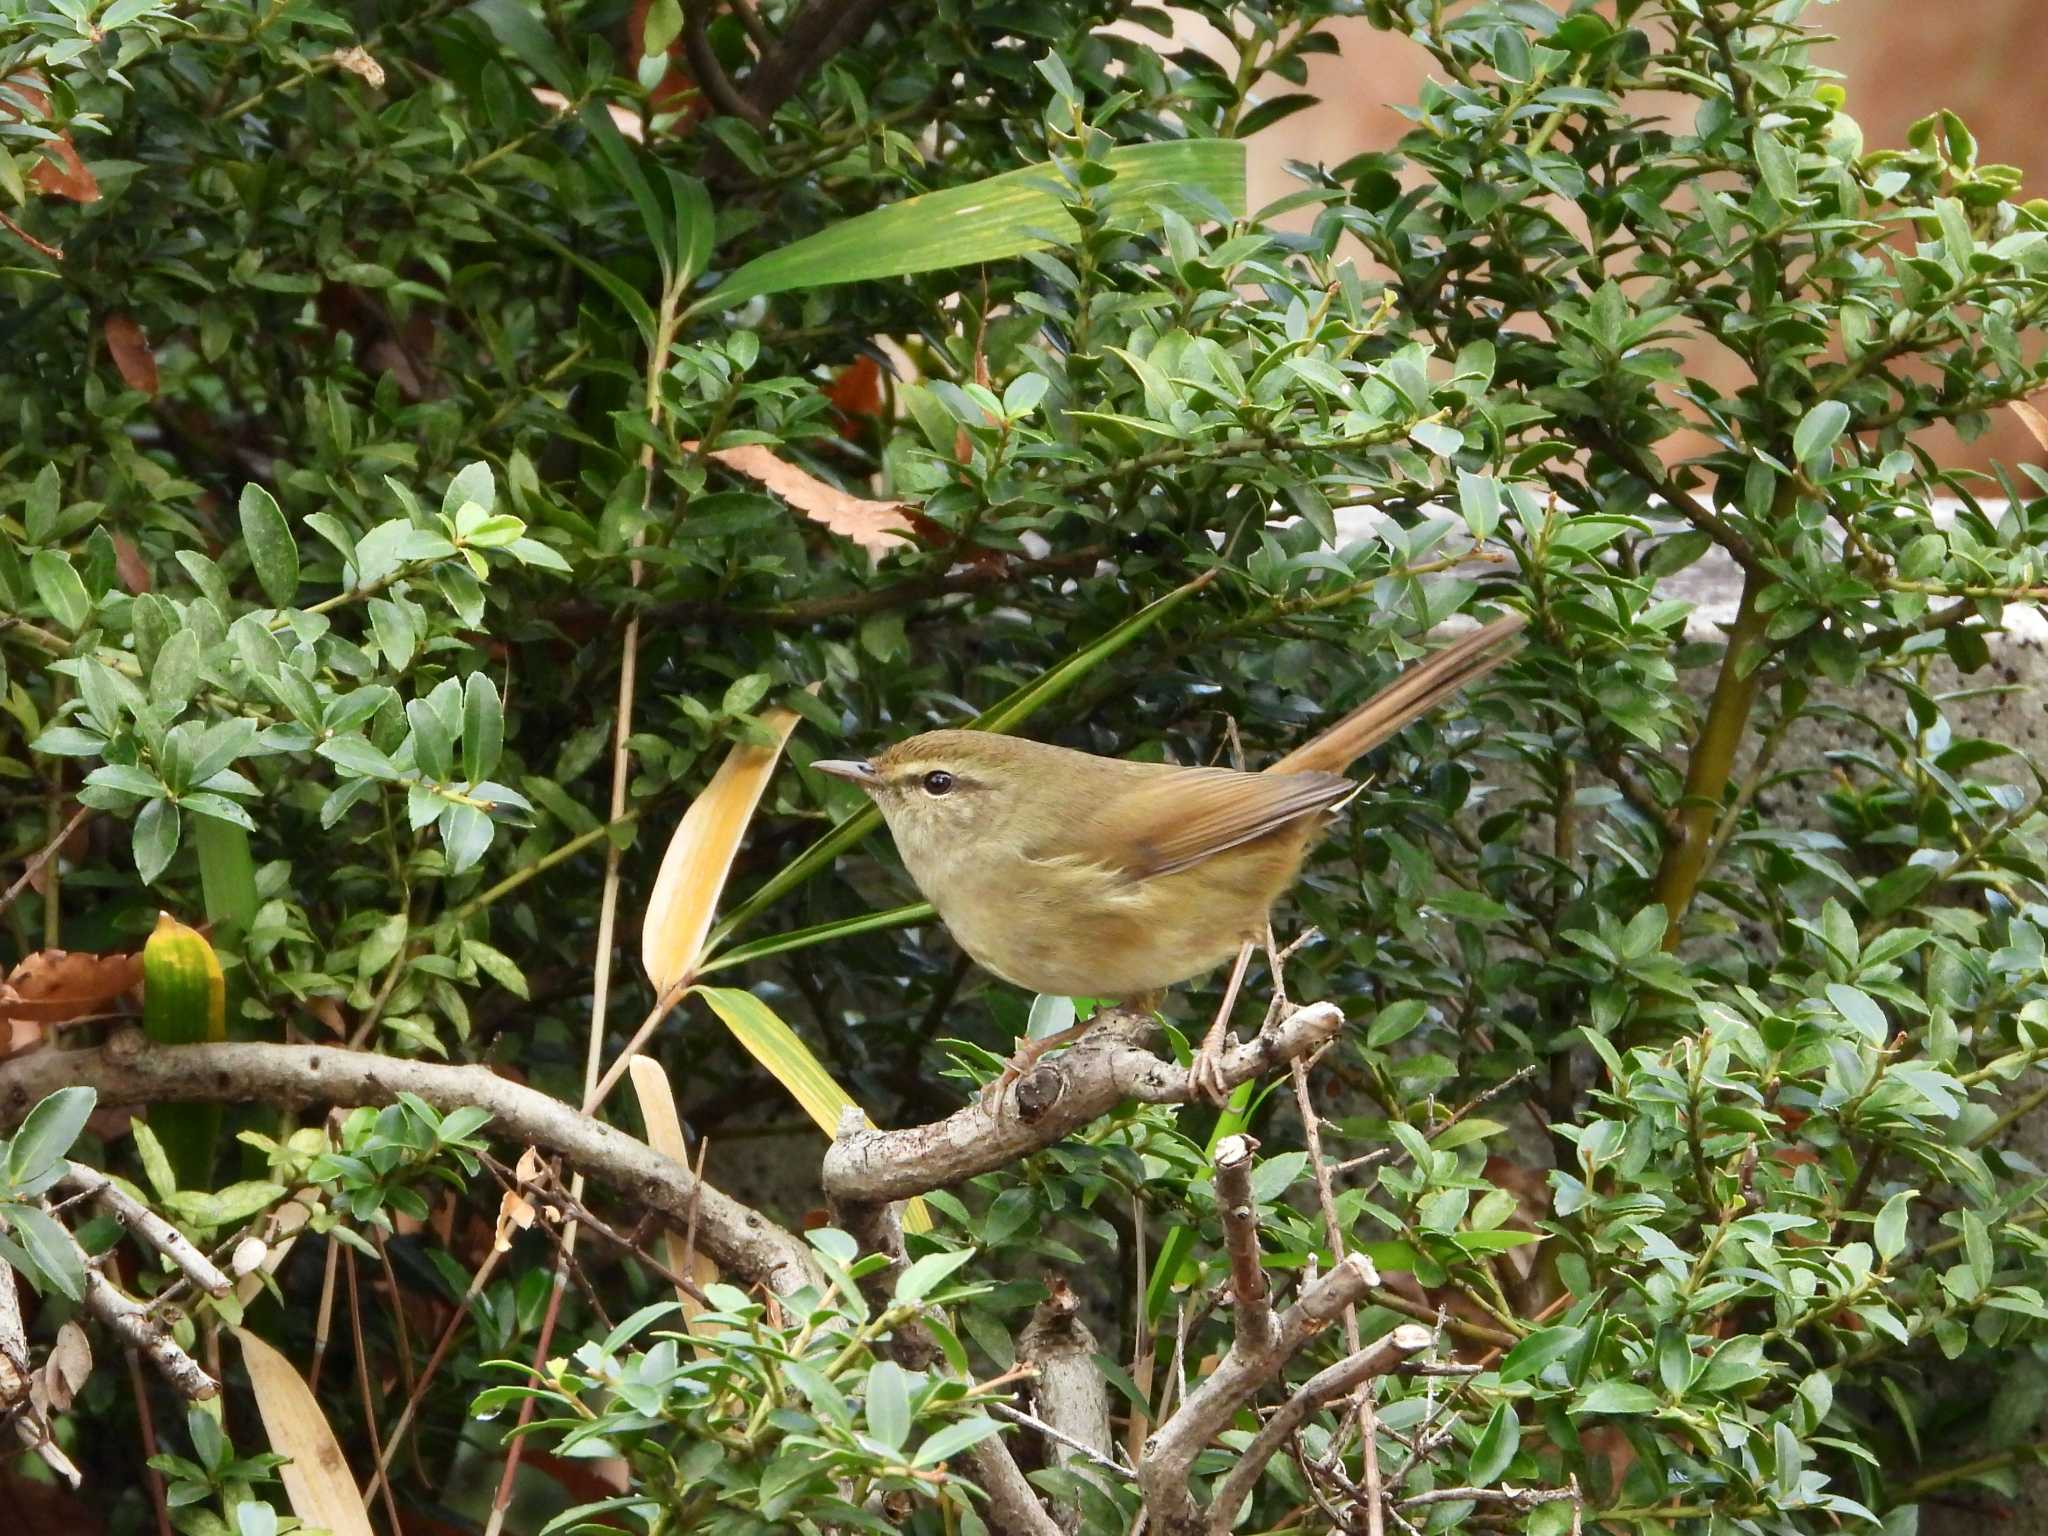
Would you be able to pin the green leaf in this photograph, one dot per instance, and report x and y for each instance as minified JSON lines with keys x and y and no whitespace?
{"x":47,"y":1133}
{"x":888,"y":1404}
{"x":60,"y":588}
{"x":1889,"y":1233}
{"x":483,"y":728}
{"x":928,"y":1274}
{"x":1617,"y":1397}
{"x":155,"y":839}
{"x":44,"y":501}
{"x":994,"y":219}
{"x":273,"y":552}
{"x":949,"y":1442}
{"x":1818,"y":430}
{"x":1855,"y":1005}
{"x":1528,"y":1359}
{"x":49,"y":1246}
{"x":1497,"y":1445}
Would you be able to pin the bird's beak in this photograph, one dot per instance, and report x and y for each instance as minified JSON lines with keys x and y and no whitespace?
{"x":853,"y":770}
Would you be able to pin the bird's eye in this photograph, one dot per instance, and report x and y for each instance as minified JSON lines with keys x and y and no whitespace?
{"x":938,"y":782}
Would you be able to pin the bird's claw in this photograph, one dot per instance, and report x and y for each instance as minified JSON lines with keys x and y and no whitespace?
{"x":1205,"y":1074}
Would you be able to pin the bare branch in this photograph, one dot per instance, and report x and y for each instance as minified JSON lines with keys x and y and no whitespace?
{"x":1375,"y":1360}
{"x":1059,"y":1095}
{"x":1211,"y":1405}
{"x":139,"y":1328}
{"x":1249,"y":1295}
{"x":130,"y":1070}
{"x":148,"y":1227}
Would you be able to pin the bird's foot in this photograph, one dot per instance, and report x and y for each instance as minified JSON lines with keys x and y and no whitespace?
{"x":1205,"y":1072}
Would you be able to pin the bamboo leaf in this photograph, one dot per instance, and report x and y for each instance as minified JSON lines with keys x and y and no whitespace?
{"x":776,"y":1046}
{"x":909,"y":916}
{"x":316,"y":1478}
{"x":994,"y":219}
{"x":665,"y":1134}
{"x":700,"y":855}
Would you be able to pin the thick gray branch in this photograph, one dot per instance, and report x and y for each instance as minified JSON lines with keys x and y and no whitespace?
{"x":1375,"y":1360}
{"x":148,"y":1227}
{"x":1170,"y":1453}
{"x":130,"y":1070}
{"x":1059,"y":1095}
{"x":1071,"y":1395}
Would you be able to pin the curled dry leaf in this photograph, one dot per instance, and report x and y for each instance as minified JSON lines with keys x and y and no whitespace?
{"x":700,"y":855}
{"x":55,"y":986}
{"x":515,"y":1213}
{"x":129,"y":348}
{"x":873,"y":525}
{"x":2036,"y":423}
{"x":530,"y":1167}
{"x":65,"y":1371}
{"x":357,"y":61}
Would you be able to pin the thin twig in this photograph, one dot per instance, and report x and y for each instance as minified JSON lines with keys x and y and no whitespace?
{"x":48,"y":852}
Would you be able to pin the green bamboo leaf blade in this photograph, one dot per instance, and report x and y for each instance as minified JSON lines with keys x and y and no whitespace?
{"x":995,"y":219}
{"x":791,"y":1063}
{"x":1008,"y":712}
{"x":909,"y":916}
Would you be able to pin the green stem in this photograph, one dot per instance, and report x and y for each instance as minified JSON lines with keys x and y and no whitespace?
{"x":1712,"y":761}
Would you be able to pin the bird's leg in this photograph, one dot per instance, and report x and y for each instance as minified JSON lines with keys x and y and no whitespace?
{"x":1205,"y":1072}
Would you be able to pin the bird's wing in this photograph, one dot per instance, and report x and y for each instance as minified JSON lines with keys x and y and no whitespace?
{"x":1174,"y":820}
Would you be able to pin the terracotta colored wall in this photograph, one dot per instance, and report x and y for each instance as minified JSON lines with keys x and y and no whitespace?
{"x":1899,"y":59}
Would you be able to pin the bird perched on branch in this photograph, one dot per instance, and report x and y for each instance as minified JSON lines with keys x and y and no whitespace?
{"x":1083,"y":876}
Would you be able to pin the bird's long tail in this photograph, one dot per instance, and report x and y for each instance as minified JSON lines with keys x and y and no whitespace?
{"x":1414,"y":693}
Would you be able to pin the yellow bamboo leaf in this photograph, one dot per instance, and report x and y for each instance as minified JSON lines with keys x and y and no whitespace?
{"x":776,"y":1046}
{"x":665,"y":1135}
{"x":317,"y":1480}
{"x":700,"y":855}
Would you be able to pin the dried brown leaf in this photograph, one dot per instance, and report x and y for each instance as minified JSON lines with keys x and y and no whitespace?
{"x":515,"y":1213}
{"x":55,"y":986}
{"x":129,"y":348}
{"x":70,"y":1362}
{"x":130,"y":566}
{"x":357,"y":61}
{"x":665,"y":1134}
{"x":316,"y":1479}
{"x":700,"y":855}
{"x":874,"y":525}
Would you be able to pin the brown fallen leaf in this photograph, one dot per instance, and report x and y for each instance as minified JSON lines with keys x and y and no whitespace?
{"x":874,"y":525}
{"x":129,"y":348}
{"x":54,"y":986}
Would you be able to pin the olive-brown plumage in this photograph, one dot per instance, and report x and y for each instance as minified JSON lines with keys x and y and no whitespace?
{"x":1084,"y":876}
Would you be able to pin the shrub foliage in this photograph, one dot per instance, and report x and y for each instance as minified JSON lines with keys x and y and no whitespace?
{"x":439,"y":434}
